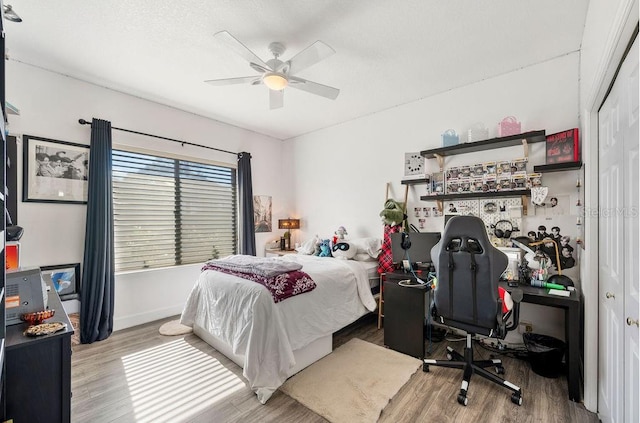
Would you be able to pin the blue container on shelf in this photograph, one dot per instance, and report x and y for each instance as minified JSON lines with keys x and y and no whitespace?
{"x":449,"y":138}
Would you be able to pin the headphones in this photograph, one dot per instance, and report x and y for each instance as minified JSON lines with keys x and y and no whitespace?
{"x":502,"y":233}
{"x":405,"y":243}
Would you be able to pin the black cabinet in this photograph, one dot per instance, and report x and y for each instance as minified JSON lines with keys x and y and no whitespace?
{"x":404,"y":315}
{"x":38,"y":372}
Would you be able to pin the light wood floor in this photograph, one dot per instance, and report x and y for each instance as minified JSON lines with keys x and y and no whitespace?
{"x":138,"y":375}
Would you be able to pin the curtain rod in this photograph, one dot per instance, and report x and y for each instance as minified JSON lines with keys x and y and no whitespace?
{"x":84,"y":122}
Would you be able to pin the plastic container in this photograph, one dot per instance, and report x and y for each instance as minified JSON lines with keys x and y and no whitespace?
{"x":545,"y":354}
{"x":450,"y":138}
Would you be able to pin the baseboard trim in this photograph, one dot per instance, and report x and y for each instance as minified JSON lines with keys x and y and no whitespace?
{"x":146,"y":317}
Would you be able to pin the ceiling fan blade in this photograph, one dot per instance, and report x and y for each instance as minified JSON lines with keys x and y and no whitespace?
{"x":276,"y":99}
{"x":310,"y":56}
{"x":239,"y":48}
{"x":259,"y":68}
{"x":232,"y":81}
{"x":313,"y":87}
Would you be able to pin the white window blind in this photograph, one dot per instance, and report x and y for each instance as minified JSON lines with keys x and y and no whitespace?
{"x":169,"y":212}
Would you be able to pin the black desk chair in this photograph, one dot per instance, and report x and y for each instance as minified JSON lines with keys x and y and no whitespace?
{"x":466,"y":297}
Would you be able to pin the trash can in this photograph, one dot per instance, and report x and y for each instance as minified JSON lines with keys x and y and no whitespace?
{"x":545,"y":354}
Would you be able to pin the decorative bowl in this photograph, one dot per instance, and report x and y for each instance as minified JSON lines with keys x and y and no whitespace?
{"x":37,"y":317}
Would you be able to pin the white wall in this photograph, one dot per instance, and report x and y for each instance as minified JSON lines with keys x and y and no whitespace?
{"x":50,"y":106}
{"x":607,"y":31}
{"x":341,"y":172}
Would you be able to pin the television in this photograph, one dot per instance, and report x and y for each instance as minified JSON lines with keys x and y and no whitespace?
{"x":420,"y":250}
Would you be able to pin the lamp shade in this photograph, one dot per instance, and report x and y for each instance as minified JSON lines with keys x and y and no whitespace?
{"x":288,"y":223}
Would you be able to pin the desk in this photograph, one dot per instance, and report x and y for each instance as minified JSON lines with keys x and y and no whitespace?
{"x":572,"y":329}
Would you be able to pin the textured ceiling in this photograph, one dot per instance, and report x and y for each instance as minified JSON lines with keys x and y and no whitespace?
{"x":388,"y":53}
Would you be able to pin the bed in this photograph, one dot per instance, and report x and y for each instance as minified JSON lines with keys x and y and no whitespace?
{"x":273,"y":341}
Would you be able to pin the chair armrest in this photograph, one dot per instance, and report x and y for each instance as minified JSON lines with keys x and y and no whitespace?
{"x":516,"y":296}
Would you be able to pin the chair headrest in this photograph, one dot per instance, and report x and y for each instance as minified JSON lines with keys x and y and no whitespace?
{"x":471,"y":232}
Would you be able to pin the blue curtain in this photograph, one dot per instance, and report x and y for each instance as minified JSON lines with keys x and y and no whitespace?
{"x":96,"y":295}
{"x":245,"y":194}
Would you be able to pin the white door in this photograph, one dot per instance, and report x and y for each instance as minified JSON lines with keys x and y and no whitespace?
{"x":618,"y":249}
{"x":629,"y":82}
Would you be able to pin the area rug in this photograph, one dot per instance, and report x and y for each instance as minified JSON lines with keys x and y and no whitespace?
{"x":174,"y":327}
{"x":352,"y":384}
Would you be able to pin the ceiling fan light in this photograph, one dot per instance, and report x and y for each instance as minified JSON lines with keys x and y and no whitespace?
{"x":275,"y":81}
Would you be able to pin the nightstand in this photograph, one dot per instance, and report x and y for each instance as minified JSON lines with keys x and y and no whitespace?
{"x":278,"y":253}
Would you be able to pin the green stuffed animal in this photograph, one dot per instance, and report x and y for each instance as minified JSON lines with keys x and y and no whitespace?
{"x":393,"y":213}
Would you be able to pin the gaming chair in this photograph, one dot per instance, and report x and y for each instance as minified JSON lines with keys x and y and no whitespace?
{"x":467,"y":297}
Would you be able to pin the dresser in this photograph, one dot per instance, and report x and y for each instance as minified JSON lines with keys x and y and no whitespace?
{"x":38,"y":371}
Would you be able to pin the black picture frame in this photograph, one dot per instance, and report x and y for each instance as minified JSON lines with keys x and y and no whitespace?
{"x":72,"y":270}
{"x":55,"y":178}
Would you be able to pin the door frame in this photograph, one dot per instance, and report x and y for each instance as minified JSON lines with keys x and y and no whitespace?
{"x":618,"y":40}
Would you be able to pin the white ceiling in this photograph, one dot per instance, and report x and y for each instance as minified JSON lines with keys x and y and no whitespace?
{"x":388,"y":53}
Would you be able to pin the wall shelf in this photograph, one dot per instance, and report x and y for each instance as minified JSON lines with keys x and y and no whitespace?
{"x":472,"y":147}
{"x":558,"y":167}
{"x":414,"y":181}
{"x":464,"y":195}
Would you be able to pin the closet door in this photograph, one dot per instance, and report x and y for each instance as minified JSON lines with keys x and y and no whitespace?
{"x":618,"y":249}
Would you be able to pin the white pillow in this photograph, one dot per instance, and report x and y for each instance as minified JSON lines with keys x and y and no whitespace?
{"x":363,"y":257}
{"x":370,"y":246}
{"x":308,"y":247}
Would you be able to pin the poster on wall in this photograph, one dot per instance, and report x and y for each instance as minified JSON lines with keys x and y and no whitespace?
{"x":262,"y":213}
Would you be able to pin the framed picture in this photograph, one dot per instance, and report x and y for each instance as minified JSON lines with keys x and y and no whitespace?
{"x":54,"y":171}
{"x":563,"y":147}
{"x":262,"y":213}
{"x":64,"y":278}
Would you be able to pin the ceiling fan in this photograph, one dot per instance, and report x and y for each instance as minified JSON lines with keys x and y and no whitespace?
{"x":275,"y":73}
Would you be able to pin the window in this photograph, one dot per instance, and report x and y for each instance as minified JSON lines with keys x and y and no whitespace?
{"x":169,"y":212}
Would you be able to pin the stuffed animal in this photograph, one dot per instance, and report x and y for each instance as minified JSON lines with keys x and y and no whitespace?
{"x":317,"y":250}
{"x":340,"y":233}
{"x":343,"y":250}
{"x":393,"y":213}
{"x":325,"y":248}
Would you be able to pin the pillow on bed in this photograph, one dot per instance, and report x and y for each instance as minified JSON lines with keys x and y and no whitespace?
{"x":308,"y":247}
{"x":370,"y":246}
{"x":363,"y":257}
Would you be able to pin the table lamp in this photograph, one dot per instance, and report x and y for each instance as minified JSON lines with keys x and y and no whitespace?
{"x":288,"y":224}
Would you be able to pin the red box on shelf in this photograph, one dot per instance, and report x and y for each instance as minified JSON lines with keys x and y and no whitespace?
{"x":563,"y":147}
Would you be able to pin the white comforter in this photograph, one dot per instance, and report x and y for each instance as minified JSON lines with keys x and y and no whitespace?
{"x":242,"y":314}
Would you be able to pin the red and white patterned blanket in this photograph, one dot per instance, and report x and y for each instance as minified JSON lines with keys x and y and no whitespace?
{"x":281,"y":286}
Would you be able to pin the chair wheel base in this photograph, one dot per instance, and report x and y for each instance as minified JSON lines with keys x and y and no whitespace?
{"x":499,"y":370}
{"x":425,"y":367}
{"x":516,"y":398}
{"x":462,"y":400}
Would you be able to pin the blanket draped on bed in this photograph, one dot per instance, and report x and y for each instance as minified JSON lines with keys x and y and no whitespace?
{"x":281,"y":286}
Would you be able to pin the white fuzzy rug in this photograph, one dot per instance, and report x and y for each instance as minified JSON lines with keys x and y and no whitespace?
{"x":352,"y":384}
{"x":174,"y":327}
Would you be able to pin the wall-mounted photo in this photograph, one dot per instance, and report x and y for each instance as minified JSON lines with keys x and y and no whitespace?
{"x":64,"y":278}
{"x":262,"y":213}
{"x":54,"y":171}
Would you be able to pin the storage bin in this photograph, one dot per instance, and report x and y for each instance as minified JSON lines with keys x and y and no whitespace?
{"x":449,"y":138}
{"x":478,"y":133}
{"x":509,"y":126}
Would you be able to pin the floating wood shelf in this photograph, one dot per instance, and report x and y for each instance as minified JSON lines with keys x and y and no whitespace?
{"x":472,"y":147}
{"x":414,"y":181}
{"x":464,"y":195}
{"x":558,"y":167}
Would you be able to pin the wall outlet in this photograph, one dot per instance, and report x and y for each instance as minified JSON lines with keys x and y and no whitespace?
{"x":525,"y":327}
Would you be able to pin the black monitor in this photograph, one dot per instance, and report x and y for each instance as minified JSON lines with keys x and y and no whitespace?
{"x":420,"y":250}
